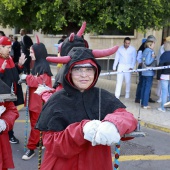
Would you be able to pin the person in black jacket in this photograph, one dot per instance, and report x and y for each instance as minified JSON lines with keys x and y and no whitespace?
{"x":26,"y":43}
{"x":16,"y":49}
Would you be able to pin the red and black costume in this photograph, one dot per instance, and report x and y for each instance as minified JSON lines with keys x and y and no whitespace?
{"x":41,"y":73}
{"x":9,"y":116}
{"x":74,"y":40}
{"x":68,"y":110}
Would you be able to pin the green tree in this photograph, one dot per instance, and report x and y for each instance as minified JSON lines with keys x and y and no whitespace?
{"x":65,"y":16}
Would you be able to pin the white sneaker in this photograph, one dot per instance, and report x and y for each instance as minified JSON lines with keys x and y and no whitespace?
{"x":167,"y":104}
{"x":28,"y":154}
{"x":159,"y":100}
{"x":160,"y":109}
{"x":146,"y":107}
{"x":127,"y":96}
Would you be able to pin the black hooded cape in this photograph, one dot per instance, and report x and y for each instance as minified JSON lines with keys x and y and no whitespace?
{"x":69,"y":105}
{"x":41,"y":65}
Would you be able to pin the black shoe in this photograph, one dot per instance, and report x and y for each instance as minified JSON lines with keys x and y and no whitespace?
{"x":137,"y":100}
{"x":151,"y":101}
{"x":28,"y":154}
{"x":14,"y":140}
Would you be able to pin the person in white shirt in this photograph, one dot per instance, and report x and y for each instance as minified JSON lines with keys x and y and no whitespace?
{"x":125,"y":59}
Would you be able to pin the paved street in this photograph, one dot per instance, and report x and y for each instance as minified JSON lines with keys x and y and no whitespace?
{"x":149,"y":153}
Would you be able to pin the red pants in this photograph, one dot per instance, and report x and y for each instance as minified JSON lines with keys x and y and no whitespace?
{"x":34,"y":134}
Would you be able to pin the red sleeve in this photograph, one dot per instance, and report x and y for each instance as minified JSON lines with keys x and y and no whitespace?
{"x":123,"y":120}
{"x":68,"y":142}
{"x":10,"y":115}
{"x":2,"y":70}
{"x":19,"y":66}
{"x":34,"y":81}
{"x":46,"y":95}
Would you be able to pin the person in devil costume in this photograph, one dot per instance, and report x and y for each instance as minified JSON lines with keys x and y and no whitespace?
{"x":8,"y":115}
{"x":80,"y":122}
{"x":41,"y":74}
{"x":9,"y":73}
{"x":74,"y":40}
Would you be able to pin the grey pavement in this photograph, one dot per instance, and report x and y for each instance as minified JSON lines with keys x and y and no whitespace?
{"x":151,"y":118}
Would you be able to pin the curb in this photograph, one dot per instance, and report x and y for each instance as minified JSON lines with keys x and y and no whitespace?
{"x":156,"y":127}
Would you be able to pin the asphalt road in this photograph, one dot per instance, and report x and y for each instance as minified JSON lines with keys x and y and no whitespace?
{"x":146,"y":153}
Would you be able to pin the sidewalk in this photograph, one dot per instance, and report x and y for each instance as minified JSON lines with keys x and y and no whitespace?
{"x":151,"y":118}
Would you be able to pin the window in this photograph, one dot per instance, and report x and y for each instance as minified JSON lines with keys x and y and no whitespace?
{"x":17,"y":31}
{"x":111,"y":30}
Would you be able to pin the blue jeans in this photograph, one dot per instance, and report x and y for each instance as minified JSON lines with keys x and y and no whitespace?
{"x":146,"y":87}
{"x":139,"y":86}
{"x":165,"y":89}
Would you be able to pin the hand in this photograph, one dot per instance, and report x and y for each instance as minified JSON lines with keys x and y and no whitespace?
{"x":90,"y":129}
{"x":23,"y":76}
{"x":2,"y":125}
{"x":2,"y":110}
{"x":4,"y":65}
{"x":42,"y":88}
{"x":107,"y":134}
{"x":22,"y":59}
{"x":153,"y":55}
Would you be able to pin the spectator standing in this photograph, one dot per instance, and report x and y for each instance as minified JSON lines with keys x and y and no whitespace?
{"x":26,"y":43}
{"x":139,"y":60}
{"x":158,"y":90}
{"x":163,"y":75}
{"x":17,"y":49}
{"x":12,"y":40}
{"x":125,"y":59}
{"x":148,"y":57}
{"x":62,"y":39}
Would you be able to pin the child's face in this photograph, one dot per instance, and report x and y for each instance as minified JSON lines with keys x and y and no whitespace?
{"x":5,"y":50}
{"x":32,"y":54}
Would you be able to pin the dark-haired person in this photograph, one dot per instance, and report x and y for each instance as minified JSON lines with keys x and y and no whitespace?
{"x":40,"y":74}
{"x":125,"y":59}
{"x":26,"y":43}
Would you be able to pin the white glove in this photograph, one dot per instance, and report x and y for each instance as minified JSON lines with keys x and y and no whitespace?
{"x":2,"y":125}
{"x":90,"y":129}
{"x":2,"y":110}
{"x":41,"y":88}
{"x":23,"y":76}
{"x":107,"y":134}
